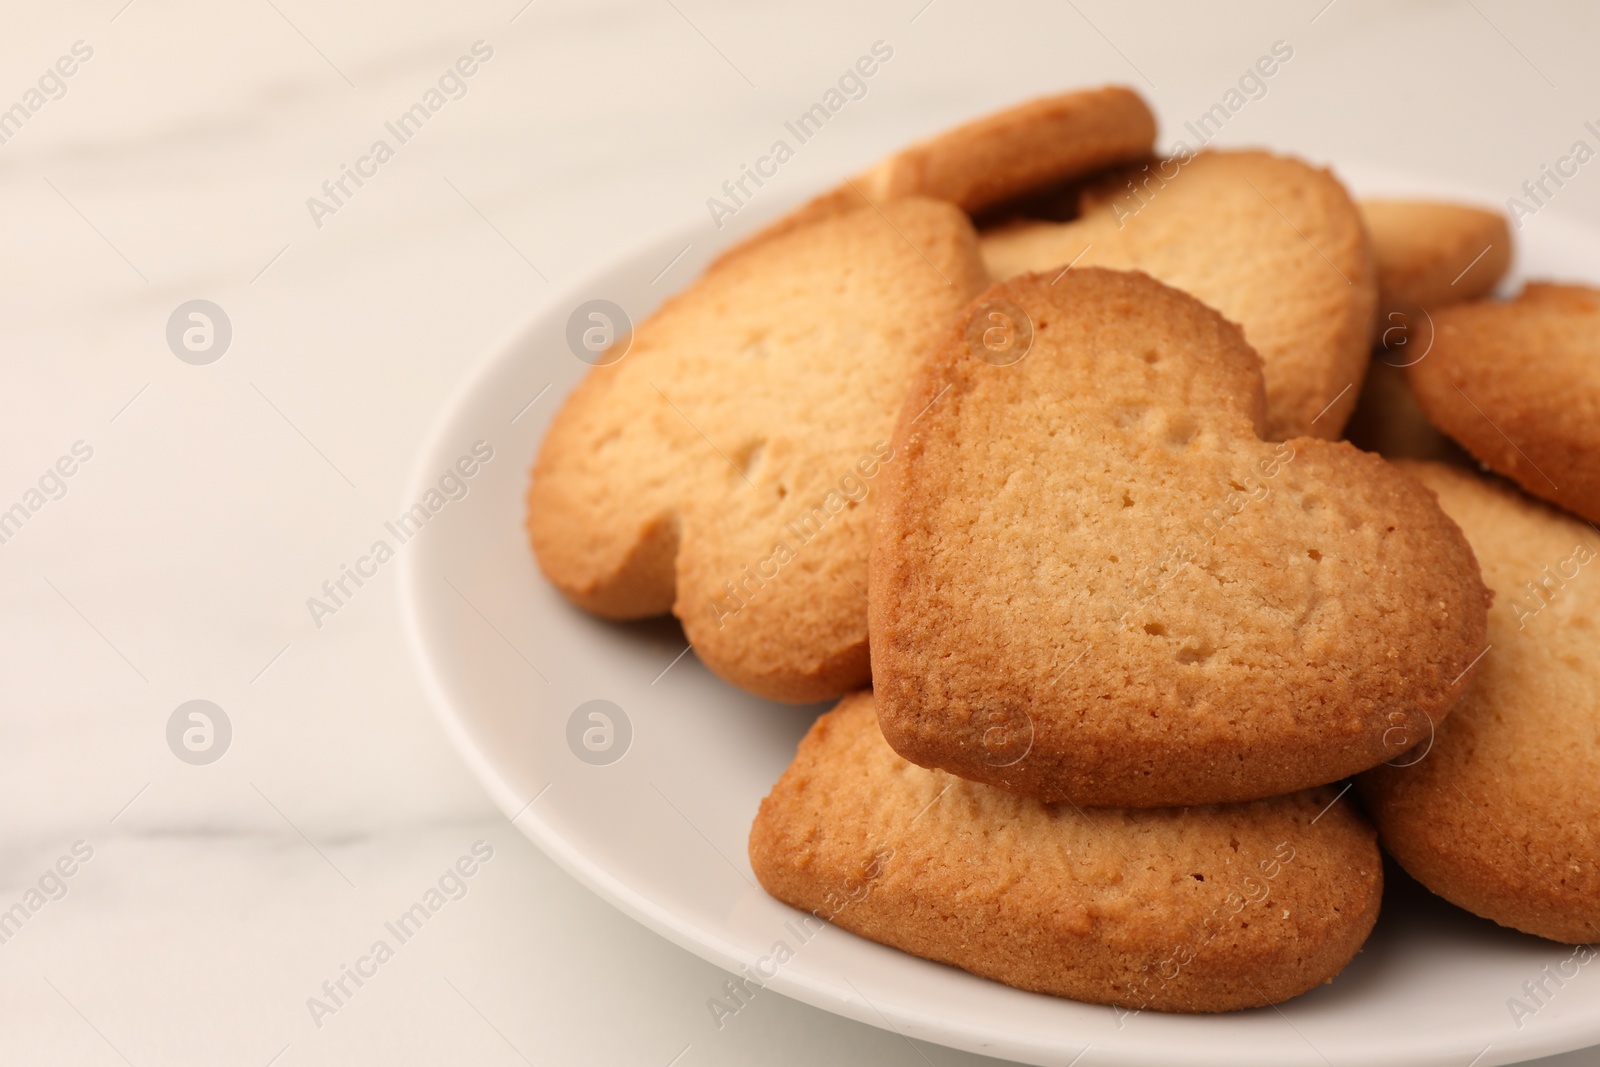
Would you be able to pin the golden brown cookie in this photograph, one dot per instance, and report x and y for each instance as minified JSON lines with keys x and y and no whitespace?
{"x":1431,"y":253}
{"x":1000,"y":156}
{"x":727,"y":466}
{"x":1501,"y":813}
{"x":1517,"y":383}
{"x":1273,"y":243}
{"x":1175,"y":909}
{"x":1093,"y":580}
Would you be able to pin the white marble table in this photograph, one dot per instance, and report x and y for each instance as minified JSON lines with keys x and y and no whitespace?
{"x":175,"y":163}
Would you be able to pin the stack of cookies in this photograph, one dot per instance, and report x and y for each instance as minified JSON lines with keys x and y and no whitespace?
{"x":1040,"y":437}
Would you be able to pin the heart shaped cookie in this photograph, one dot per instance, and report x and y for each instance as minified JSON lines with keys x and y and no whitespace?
{"x":1500,"y":813}
{"x":1177,"y":909}
{"x":1432,"y":253}
{"x":1517,"y":383}
{"x":1093,"y":580}
{"x":726,"y":465}
{"x":1273,"y":243}
{"x":999,"y":156}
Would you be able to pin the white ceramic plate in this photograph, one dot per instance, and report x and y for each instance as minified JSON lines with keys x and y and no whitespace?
{"x":660,"y":832}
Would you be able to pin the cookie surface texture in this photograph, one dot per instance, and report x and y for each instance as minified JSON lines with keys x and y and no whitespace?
{"x":1274,"y":244}
{"x":1199,"y":909}
{"x":1500,"y":814}
{"x":725,"y":468}
{"x":1517,"y":383}
{"x":1093,"y":580}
